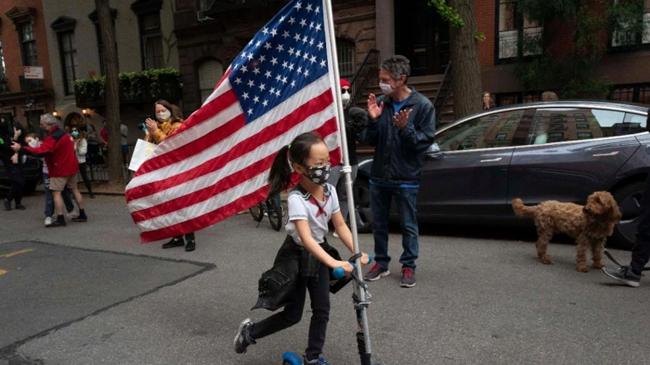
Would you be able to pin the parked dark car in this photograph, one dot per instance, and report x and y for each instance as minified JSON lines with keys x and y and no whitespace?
{"x":33,"y":174}
{"x":561,"y":150}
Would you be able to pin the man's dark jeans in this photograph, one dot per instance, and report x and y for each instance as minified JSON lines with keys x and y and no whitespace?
{"x":405,"y":194}
{"x":641,"y":251}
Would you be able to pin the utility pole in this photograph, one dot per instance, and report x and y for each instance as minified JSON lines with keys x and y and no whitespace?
{"x":112,"y":96}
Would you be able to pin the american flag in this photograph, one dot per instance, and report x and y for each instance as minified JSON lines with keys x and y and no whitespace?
{"x":217,"y":164}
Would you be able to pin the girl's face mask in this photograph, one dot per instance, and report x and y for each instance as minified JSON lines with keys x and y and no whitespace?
{"x":75,"y":133}
{"x":318,"y":174}
{"x":346,"y":98}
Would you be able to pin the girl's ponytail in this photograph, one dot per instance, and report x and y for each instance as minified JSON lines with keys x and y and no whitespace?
{"x":280,"y":175}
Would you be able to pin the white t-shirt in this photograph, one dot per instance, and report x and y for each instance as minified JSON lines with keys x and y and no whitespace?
{"x":317,"y":213}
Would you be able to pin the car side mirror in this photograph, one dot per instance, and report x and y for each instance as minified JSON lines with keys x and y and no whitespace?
{"x":433,"y":152}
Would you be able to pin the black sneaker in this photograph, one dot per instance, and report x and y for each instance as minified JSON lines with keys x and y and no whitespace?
{"x":190,"y":245}
{"x":56,"y":223}
{"x":376,"y":272}
{"x":174,"y":242}
{"x":408,"y":278}
{"x":7,"y":204}
{"x":243,"y":337}
{"x":81,"y":218}
{"x":624,"y":275}
{"x":20,"y":206}
{"x":319,"y":361}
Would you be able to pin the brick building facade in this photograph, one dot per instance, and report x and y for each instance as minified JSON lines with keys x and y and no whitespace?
{"x":23,"y":42}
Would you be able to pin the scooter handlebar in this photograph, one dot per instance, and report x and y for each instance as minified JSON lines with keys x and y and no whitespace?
{"x":339,"y":272}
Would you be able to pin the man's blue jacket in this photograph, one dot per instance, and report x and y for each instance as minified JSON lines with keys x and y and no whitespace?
{"x":399,"y":154}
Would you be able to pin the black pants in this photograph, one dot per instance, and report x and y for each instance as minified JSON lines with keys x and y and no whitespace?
{"x":641,"y":251}
{"x":83,"y":170}
{"x":318,"y":287}
{"x":15,"y":174}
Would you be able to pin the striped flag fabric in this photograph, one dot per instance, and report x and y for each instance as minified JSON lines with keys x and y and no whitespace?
{"x":281,"y":85}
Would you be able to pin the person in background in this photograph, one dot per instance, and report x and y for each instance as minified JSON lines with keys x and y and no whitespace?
{"x":32,"y":140}
{"x":81,"y":149}
{"x":58,"y":150}
{"x":487,"y":101}
{"x":401,"y":128}
{"x":12,"y":160}
{"x":124,"y":134}
{"x":168,"y":120}
{"x":549,"y":96}
{"x":93,"y":145}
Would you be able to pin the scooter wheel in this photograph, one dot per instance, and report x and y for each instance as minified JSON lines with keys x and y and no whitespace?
{"x":291,"y":358}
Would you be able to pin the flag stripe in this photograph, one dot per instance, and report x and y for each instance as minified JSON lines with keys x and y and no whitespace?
{"x":207,"y":219}
{"x":247,"y":144}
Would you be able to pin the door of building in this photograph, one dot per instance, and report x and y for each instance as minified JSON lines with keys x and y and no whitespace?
{"x":422,"y":36}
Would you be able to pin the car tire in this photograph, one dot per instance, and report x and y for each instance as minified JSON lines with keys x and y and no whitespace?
{"x":364,"y":214}
{"x":628,"y":198}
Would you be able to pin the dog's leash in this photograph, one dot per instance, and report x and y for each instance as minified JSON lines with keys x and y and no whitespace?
{"x":609,"y":255}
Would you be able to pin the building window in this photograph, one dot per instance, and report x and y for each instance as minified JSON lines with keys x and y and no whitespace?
{"x":209,"y":73}
{"x":630,"y":33}
{"x":69,"y":65}
{"x":345,"y":53}
{"x":518,"y":35}
{"x":28,"y":44}
{"x":151,"y":41}
{"x":631,"y":93}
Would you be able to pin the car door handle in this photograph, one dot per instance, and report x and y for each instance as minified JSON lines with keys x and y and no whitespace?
{"x":492,"y":160}
{"x":613,"y":153}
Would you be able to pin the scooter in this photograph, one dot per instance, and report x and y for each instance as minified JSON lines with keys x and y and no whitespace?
{"x":361,"y":299}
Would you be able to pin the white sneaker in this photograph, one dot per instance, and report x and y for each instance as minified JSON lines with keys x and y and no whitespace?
{"x":48,"y":221}
{"x":335,"y":235}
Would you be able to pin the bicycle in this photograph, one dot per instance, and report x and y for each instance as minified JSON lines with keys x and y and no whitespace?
{"x":271,"y":207}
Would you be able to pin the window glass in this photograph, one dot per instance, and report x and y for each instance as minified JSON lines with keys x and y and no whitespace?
{"x":494,"y":130}
{"x":69,"y":60}
{"x":571,"y":124}
{"x":210,"y":73}
{"x":345,"y":54}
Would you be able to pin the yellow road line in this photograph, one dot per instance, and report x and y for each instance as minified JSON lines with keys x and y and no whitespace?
{"x":16,"y":253}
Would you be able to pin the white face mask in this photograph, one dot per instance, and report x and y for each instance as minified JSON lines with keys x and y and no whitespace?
{"x":345,"y":98}
{"x":33,"y":143}
{"x":385,"y":88}
{"x":162,"y":116}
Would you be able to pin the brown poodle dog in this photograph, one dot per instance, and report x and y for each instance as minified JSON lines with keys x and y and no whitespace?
{"x":589,"y":225}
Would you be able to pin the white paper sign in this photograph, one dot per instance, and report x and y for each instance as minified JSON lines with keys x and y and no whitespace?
{"x":141,"y":153}
{"x":33,"y":72}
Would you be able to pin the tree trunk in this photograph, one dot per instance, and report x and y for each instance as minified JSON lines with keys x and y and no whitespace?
{"x":107,"y":33}
{"x":465,"y":66}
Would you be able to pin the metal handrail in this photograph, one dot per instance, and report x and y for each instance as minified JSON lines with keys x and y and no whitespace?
{"x":443,"y":91}
{"x":361,"y":77}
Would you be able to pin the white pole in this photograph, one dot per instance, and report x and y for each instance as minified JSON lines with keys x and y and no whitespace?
{"x":346,"y":169}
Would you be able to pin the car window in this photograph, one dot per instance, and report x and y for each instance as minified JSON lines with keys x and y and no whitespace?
{"x":572,"y":124}
{"x":494,"y":130}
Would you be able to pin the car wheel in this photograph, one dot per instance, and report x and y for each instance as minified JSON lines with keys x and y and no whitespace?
{"x":364,"y":214}
{"x":628,"y":198}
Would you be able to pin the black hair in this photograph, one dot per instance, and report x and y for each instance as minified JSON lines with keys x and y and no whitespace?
{"x":298,"y":152}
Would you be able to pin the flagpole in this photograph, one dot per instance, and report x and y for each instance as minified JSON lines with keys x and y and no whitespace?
{"x":360,"y":291}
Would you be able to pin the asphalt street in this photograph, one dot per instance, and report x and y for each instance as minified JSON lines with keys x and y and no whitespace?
{"x":90,"y":293}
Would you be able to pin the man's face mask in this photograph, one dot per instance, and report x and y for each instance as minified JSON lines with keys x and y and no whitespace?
{"x":346,"y":98}
{"x":318,"y":174}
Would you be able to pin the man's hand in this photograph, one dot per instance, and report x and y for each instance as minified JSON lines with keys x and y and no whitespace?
{"x":14,"y":159}
{"x":15,"y":146}
{"x":374,"y":110}
{"x":401,"y":119}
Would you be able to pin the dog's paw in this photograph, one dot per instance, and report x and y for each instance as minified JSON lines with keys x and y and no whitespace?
{"x":582,"y":269}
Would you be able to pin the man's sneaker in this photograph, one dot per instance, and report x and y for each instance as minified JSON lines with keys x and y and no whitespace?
{"x":408,"y":278}
{"x":48,"y":221}
{"x":376,"y":272}
{"x":243,"y":337}
{"x":20,"y":206}
{"x":79,"y":218}
{"x":7,"y":203}
{"x":624,"y":275}
{"x":320,"y":361}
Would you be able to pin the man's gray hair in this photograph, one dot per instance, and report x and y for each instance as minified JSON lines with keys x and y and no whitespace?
{"x":397,"y":66}
{"x":50,"y":119}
